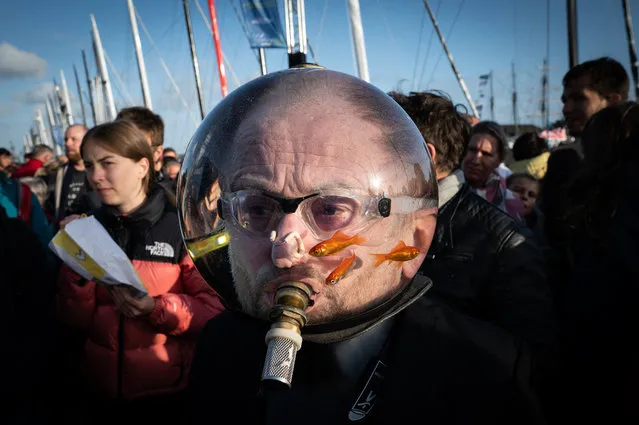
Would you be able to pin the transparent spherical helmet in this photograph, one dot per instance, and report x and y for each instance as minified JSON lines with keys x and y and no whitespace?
{"x":354,"y":204}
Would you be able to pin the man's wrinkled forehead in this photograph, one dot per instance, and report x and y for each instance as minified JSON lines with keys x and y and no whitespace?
{"x":320,"y":135}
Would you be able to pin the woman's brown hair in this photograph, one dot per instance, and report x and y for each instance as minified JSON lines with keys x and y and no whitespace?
{"x":124,"y":139}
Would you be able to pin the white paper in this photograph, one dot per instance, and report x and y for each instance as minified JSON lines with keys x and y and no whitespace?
{"x":95,"y":242}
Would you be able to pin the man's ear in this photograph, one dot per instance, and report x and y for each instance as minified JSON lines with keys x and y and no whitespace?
{"x":423,"y":232}
{"x":157,"y":154}
{"x":613,"y":99}
{"x":432,"y":152}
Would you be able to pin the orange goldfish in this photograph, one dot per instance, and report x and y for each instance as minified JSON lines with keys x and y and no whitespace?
{"x":400,"y":253}
{"x":335,"y":244}
{"x":341,"y":270}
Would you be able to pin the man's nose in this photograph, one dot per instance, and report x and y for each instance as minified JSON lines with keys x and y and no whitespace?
{"x":291,"y":241}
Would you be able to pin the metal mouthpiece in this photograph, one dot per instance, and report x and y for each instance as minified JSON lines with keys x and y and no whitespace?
{"x":284,"y":338}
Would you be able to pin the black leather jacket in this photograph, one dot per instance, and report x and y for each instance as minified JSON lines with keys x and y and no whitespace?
{"x":487,"y":264}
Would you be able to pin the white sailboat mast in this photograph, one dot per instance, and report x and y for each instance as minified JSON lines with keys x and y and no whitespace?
{"x":67,"y":103}
{"x":146,"y":94}
{"x":357,"y":31}
{"x":103,"y":72}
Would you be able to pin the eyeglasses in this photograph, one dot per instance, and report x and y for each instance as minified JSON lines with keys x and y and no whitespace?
{"x":258,"y":214}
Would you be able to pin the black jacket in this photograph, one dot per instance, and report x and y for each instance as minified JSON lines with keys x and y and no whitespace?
{"x":442,"y":368}
{"x":26,"y":289}
{"x":487,"y":264}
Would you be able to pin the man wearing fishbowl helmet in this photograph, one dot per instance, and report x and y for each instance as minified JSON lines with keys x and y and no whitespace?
{"x":321,"y":189}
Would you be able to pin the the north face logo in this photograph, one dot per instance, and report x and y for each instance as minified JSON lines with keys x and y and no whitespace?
{"x":161,"y":249}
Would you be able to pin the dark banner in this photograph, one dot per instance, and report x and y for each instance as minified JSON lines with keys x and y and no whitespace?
{"x":263,"y":25}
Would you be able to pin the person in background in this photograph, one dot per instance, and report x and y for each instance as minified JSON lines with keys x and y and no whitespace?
{"x":27,"y":284}
{"x":598,"y":301}
{"x":485,"y":151}
{"x":139,"y":346}
{"x":588,"y":88}
{"x":69,"y":190}
{"x":169,"y":153}
{"x":6,"y":159}
{"x":500,"y":276}
{"x":530,"y":153}
{"x":38,"y":187}
{"x":17,"y":200}
{"x":526,"y":188}
{"x":40,"y":155}
{"x":152,"y":126}
{"x":172,"y":169}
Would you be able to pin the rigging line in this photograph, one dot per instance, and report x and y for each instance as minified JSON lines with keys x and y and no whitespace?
{"x":515,"y":30}
{"x":430,"y":43}
{"x":310,"y":48}
{"x":319,"y":34}
{"x":450,"y":32}
{"x":166,"y":69}
{"x":208,"y":25}
{"x":388,"y":28}
{"x":117,"y":76}
{"x":237,"y":15}
{"x":419,"y":47}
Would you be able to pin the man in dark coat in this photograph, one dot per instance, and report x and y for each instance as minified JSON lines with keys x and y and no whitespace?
{"x":330,"y":200}
{"x":481,"y":260}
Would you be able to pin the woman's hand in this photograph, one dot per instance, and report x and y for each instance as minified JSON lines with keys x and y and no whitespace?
{"x":128,"y":304}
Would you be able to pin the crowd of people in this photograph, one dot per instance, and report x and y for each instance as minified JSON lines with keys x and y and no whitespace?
{"x":465,"y":280}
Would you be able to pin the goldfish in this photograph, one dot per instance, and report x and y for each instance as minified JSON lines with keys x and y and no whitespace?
{"x":400,"y":253}
{"x":335,"y":244}
{"x":341,"y":270}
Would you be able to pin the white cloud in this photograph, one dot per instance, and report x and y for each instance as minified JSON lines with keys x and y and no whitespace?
{"x":36,"y":95}
{"x":16,"y":63}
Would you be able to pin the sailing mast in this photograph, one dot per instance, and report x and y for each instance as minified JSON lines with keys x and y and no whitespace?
{"x":295,"y":57}
{"x":77,"y":82}
{"x":50,"y":118}
{"x":65,"y":98}
{"x":196,"y":67}
{"x":462,"y":84}
{"x":103,"y":72}
{"x":543,"y":106}
{"x":218,"y":48}
{"x":634,"y":66}
{"x":262,"y":57}
{"x":492,"y":98}
{"x":146,"y":94}
{"x":573,"y":56}
{"x":357,"y":32}
{"x":39,"y":125}
{"x":515,"y":116}
{"x":90,"y":87}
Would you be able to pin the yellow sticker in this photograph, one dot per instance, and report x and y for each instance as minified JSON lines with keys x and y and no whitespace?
{"x":64,"y":241}
{"x":201,"y":247}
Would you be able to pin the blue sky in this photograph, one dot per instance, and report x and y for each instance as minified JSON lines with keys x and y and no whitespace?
{"x":483,"y":35}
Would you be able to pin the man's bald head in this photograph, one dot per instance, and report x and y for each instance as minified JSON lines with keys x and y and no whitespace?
{"x":81,"y":127}
{"x":314,"y":92}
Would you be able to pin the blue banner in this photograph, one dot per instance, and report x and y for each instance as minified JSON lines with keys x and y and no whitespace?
{"x":58,"y":136}
{"x":263,"y":25}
